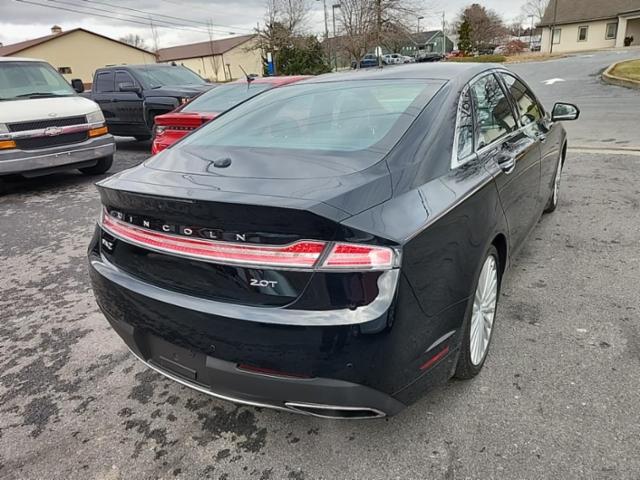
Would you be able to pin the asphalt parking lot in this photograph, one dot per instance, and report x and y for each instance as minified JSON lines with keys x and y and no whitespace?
{"x":558,"y":397}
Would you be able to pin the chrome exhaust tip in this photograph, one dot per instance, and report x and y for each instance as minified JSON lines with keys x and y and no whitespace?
{"x":334,"y":412}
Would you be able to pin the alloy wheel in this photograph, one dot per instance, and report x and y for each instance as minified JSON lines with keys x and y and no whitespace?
{"x":484,"y":310}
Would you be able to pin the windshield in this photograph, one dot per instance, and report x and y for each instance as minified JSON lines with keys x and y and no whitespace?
{"x":23,"y":80}
{"x":223,"y":98}
{"x":345,"y":116}
{"x":155,"y":77}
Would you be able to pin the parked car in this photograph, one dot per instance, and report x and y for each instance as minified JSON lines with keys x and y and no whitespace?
{"x":334,"y":247}
{"x":172,"y":126}
{"x":429,"y":57}
{"x":45,"y":126}
{"x":368,"y":61}
{"x":131,"y":96}
{"x":408,"y":59}
{"x":455,"y":54}
{"x":392,"y":59}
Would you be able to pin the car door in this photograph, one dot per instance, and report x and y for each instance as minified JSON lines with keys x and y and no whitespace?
{"x":511,"y":155}
{"x":127,"y":104}
{"x":102,"y":93}
{"x":535,"y":123}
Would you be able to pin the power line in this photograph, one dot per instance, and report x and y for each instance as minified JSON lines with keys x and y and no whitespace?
{"x":120,"y":17}
{"x":131,"y":15}
{"x":207,"y":11}
{"x":172,"y":17}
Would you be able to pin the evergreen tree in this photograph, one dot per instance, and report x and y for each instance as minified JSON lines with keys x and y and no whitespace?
{"x":464,"y":37}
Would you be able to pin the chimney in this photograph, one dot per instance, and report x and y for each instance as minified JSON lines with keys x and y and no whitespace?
{"x":56,"y":29}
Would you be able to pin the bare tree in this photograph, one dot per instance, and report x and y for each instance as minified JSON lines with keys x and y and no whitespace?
{"x":535,"y":8}
{"x":134,"y":40}
{"x":371,"y":23}
{"x":284,"y":25}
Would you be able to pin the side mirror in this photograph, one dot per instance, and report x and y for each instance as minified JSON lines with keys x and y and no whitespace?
{"x":564,"y":112}
{"x":77,"y":85}
{"x":129,"y":87}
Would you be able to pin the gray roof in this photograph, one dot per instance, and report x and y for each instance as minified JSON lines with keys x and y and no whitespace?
{"x":576,"y":11}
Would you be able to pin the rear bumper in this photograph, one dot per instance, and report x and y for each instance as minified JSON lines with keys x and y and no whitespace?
{"x":323,"y":397}
{"x":20,"y":161}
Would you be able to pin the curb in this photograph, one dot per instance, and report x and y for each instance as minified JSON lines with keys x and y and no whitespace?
{"x":608,"y":77}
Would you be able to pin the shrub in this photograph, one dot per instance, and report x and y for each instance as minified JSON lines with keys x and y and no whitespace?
{"x":480,"y":59}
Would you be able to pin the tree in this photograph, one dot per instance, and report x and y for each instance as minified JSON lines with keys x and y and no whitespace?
{"x":134,"y":40}
{"x":284,"y":26}
{"x":303,"y":57}
{"x":367,"y":24}
{"x":464,"y":37}
{"x":487,"y":27}
{"x":535,"y":8}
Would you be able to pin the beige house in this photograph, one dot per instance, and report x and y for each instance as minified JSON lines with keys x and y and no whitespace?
{"x":78,"y":53}
{"x":217,"y":60}
{"x":574,"y":25}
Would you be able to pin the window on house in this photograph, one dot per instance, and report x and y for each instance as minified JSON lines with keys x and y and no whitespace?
{"x":582,"y":33}
{"x":556,"y":35}
{"x":65,"y":70}
{"x":612,"y":31}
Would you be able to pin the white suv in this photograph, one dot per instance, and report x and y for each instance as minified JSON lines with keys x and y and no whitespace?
{"x":45,"y":125}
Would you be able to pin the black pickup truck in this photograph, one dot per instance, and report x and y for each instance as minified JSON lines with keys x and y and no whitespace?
{"x":130,"y":96}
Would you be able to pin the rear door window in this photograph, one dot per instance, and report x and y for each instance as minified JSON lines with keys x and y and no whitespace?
{"x":494,"y":116}
{"x":104,"y":82}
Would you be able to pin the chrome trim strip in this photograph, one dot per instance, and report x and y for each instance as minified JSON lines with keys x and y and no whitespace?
{"x":387,"y":283}
{"x":317,"y":265}
{"x":206,"y":390}
{"x":83,"y":127}
{"x":294,"y":406}
{"x":440,"y":340}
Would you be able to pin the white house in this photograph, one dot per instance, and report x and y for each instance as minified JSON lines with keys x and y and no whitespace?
{"x":574,"y":25}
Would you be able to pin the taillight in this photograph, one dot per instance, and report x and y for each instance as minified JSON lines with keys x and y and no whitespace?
{"x":354,"y":256}
{"x":304,"y":254}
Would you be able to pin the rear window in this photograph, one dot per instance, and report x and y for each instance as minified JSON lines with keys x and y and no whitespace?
{"x":345,"y":116}
{"x":223,"y":98}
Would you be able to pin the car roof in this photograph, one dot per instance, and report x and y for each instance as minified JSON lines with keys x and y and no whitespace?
{"x":281,"y":80}
{"x":20,"y":59}
{"x":423,"y":71}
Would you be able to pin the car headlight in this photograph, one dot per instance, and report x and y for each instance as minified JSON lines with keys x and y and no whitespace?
{"x":95,"y":117}
{"x":184,"y":100}
{"x":3,"y":128}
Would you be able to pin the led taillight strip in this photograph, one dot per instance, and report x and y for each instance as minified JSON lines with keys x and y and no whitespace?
{"x":301,"y":254}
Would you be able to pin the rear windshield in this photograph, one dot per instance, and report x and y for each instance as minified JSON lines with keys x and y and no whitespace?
{"x":346,"y":116}
{"x":223,"y":98}
{"x":156,"y":77}
{"x":22,"y":80}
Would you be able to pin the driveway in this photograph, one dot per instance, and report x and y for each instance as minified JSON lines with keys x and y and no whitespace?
{"x":558,"y":398}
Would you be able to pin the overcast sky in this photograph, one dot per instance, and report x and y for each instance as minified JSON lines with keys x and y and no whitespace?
{"x":22,"y":20}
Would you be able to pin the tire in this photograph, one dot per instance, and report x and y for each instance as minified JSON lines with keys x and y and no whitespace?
{"x":552,"y":203}
{"x":475,"y":343}
{"x":143,"y":138}
{"x":103,"y":165}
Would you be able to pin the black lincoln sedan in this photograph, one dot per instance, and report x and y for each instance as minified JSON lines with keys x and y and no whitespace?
{"x":333,"y":247}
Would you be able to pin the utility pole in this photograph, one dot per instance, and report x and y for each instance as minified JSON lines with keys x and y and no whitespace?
{"x":335,"y":46}
{"x":531,"y":33}
{"x":379,"y":31}
{"x":553,"y":25}
{"x":444,"y":36}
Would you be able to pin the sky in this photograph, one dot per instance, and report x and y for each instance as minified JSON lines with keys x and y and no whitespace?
{"x":23,"y":19}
